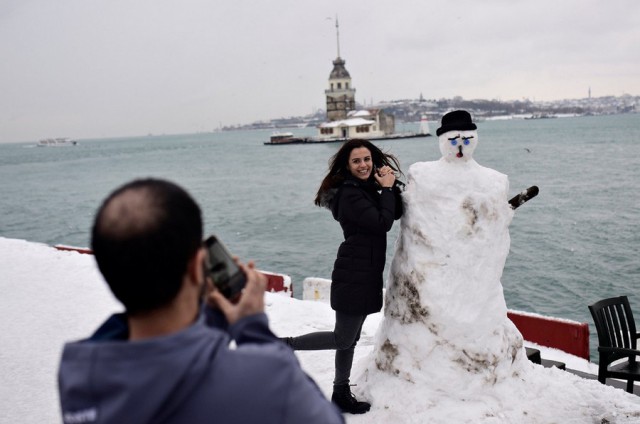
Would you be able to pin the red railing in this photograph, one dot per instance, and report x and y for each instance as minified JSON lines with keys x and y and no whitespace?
{"x":569,"y":336}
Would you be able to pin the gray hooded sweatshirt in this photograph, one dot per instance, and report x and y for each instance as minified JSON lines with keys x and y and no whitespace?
{"x":189,"y":377}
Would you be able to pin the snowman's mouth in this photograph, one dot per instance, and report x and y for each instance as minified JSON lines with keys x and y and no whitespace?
{"x":459,"y":154}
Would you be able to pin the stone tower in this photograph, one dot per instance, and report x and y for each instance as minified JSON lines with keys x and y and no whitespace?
{"x":341,"y":96}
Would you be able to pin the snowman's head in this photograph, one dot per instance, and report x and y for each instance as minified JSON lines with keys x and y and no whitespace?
{"x":458,"y":145}
{"x":457,"y":136}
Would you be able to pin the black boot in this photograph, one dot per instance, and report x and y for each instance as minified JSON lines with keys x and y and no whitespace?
{"x":347,"y":402}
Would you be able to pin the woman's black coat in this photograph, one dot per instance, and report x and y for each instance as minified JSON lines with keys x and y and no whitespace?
{"x":365,"y":216}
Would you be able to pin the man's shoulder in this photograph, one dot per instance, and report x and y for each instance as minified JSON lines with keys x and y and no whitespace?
{"x":274,"y":368}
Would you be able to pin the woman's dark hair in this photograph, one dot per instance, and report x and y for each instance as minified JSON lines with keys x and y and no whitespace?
{"x":338,"y":165}
{"x":144,"y":235}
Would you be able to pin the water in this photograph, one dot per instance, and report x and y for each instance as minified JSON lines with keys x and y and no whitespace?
{"x":576,"y":243}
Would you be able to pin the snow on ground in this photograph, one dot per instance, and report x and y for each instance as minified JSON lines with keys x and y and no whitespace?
{"x":49,"y":297}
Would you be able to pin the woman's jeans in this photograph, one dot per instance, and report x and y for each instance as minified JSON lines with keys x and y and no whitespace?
{"x":343,"y":339}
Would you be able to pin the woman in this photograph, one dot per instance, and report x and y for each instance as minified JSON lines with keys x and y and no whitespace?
{"x":362,"y":193}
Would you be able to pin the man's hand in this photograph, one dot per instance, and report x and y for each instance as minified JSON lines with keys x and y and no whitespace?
{"x":250,"y":301}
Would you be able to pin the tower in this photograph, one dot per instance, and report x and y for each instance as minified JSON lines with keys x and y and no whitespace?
{"x":341,"y":96}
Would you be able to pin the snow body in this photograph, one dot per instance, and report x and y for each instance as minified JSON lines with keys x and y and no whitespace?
{"x":445,"y":315}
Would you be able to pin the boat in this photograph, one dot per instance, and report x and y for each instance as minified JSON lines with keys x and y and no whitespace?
{"x":541,"y":116}
{"x":285,"y":138}
{"x":57,"y":142}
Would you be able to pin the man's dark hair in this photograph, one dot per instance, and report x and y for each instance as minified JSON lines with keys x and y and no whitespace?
{"x":143,"y":237}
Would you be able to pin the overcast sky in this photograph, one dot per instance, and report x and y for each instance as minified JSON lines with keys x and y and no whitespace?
{"x":99,"y":68}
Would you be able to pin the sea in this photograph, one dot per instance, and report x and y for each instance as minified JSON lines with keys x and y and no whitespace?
{"x":575,"y":243}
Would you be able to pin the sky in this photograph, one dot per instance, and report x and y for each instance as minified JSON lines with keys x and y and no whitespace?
{"x":70,"y":282}
{"x":109,"y":68}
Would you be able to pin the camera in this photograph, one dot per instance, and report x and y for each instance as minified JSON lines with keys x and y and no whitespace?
{"x":222,"y":269}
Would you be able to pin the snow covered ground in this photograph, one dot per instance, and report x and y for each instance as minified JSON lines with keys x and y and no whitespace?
{"x":49,"y":297}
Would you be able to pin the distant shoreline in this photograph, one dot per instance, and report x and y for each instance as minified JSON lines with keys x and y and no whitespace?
{"x":410,"y":111}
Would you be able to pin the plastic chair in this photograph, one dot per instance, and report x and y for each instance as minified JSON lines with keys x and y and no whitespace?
{"x":617,"y":338}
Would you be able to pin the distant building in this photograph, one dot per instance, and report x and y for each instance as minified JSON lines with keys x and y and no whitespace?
{"x":343,"y":121}
{"x":341,"y":96}
{"x":367,"y":123}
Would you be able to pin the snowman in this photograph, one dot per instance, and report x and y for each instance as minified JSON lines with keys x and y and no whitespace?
{"x":445,"y":316}
{"x":445,"y":351}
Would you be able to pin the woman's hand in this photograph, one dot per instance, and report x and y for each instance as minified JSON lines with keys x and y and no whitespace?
{"x":385,"y":176}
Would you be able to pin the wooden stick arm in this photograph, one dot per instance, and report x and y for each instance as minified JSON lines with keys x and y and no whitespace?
{"x":523,"y":197}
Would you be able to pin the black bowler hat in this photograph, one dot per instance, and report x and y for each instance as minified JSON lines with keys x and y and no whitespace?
{"x":457,"y":120}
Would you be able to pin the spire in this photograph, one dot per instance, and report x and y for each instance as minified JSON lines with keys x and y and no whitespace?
{"x":340,"y":94}
{"x":339,"y":71}
{"x":338,"y":34}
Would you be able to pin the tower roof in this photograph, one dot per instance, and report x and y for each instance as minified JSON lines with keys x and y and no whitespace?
{"x":339,"y":71}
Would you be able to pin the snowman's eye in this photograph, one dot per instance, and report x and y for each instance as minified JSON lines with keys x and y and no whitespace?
{"x":454,"y":142}
{"x":466,"y":141}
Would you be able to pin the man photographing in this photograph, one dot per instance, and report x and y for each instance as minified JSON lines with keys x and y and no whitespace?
{"x":165,"y":360}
